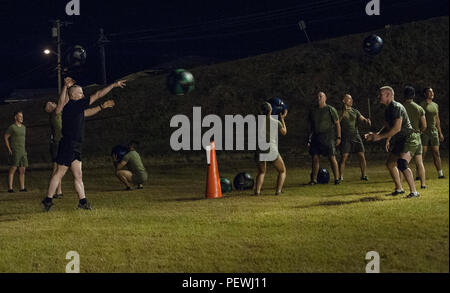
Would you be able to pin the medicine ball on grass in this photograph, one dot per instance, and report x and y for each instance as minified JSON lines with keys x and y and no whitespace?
{"x":225,"y":185}
{"x":243,"y":181}
{"x":323,"y":177}
{"x":180,"y":82}
{"x":120,"y":151}
{"x":373,"y":44}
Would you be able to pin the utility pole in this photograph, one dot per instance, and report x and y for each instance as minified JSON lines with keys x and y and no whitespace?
{"x":56,"y":33}
{"x":102,"y":40}
{"x":302,"y":26}
{"x":58,"y":52}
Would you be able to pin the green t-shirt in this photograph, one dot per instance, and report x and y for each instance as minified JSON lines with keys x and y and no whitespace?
{"x":17,"y":139}
{"x":323,"y":120}
{"x":415,"y":112}
{"x":134,"y":162}
{"x":395,"y":111}
{"x":56,"y":126}
{"x":431,"y":111}
{"x":349,"y":120}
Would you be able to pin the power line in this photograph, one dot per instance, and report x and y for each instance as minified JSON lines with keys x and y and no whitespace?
{"x":236,"y":21}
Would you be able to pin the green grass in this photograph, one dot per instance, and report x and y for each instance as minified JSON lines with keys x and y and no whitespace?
{"x":169,"y":227}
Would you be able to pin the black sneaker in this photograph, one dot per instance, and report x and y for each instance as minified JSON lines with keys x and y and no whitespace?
{"x":417,"y":178}
{"x":128,"y":188}
{"x":140,"y":186}
{"x":396,"y":192}
{"x":85,"y":206}
{"x":365,"y":178}
{"x":337,"y":181}
{"x":47,"y":204}
{"x":58,"y":195}
{"x":11,"y":190}
{"x":423,"y":186}
{"x":312,"y":182}
{"x":441,"y":177}
{"x":23,"y":190}
{"x":412,"y":194}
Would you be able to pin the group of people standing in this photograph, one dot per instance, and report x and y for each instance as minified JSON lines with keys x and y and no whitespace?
{"x":410,"y":129}
{"x":67,"y":123}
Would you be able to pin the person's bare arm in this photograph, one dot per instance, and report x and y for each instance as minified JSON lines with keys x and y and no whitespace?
{"x":283,"y":129}
{"x":121,"y":165}
{"x":103,"y":92}
{"x":388,"y":134}
{"x":64,"y":97}
{"x":7,"y":135}
{"x":94,"y":110}
{"x":338,"y":132}
{"x":364,"y":119}
{"x":423,"y":124}
{"x":438,"y":126}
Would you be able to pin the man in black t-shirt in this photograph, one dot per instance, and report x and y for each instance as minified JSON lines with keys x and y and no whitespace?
{"x":69,"y":150}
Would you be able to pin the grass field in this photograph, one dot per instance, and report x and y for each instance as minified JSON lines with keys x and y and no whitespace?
{"x":169,"y":227}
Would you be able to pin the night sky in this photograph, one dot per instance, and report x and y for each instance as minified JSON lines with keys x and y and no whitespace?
{"x":145,"y":33}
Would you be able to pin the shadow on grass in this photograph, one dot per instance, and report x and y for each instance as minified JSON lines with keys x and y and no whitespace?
{"x":340,"y":202}
{"x":355,"y":193}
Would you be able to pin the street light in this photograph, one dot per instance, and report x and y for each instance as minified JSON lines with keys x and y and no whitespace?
{"x":58,"y":66}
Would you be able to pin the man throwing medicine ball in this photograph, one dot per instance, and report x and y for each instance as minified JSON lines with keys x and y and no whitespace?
{"x":70,"y":146}
{"x":55,"y":116}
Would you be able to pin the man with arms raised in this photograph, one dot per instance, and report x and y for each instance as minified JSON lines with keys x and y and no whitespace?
{"x":55,"y":116}
{"x":69,"y":149}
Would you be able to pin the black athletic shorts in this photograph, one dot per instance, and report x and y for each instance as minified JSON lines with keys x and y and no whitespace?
{"x":68,"y":151}
{"x":323,"y":144}
{"x":352,"y":144}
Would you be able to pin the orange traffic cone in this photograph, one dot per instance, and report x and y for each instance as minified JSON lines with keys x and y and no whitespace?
{"x":213,"y":189}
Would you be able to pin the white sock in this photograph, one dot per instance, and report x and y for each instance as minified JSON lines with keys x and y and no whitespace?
{"x":441,"y":173}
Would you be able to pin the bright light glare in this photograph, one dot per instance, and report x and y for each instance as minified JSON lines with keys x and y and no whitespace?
{"x":47,"y":51}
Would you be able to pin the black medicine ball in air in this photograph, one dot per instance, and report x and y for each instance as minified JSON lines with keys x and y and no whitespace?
{"x":373,"y":44}
{"x":76,"y":56}
{"x":278,"y":106}
{"x":243,"y":181}
{"x":323,"y":177}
